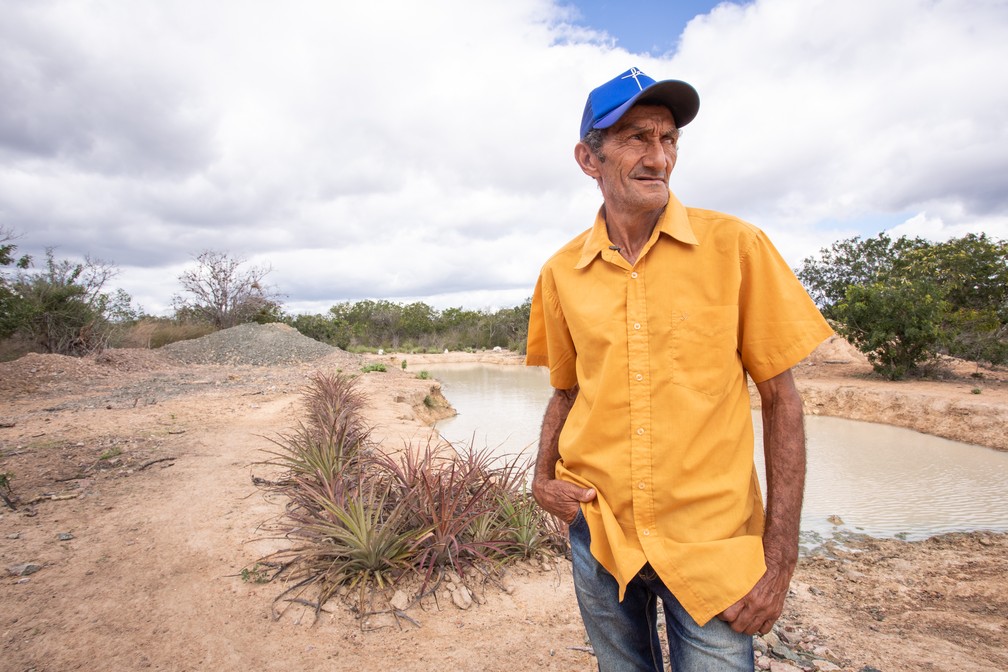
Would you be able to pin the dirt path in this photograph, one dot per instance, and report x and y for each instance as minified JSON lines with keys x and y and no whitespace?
{"x":146,"y":574}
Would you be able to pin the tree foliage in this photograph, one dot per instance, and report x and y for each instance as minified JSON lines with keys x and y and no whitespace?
{"x":65,"y":308}
{"x":10,"y":304}
{"x":416,"y":326}
{"x":224,"y":292}
{"x":902,"y":301}
{"x":895,"y":324}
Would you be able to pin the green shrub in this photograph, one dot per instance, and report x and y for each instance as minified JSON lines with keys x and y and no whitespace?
{"x":896,"y":325}
{"x":963,"y":283}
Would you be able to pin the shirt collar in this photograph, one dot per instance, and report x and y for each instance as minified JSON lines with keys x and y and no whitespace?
{"x":674,"y":222}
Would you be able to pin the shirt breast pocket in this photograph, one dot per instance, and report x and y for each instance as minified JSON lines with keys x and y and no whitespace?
{"x":704,"y":348}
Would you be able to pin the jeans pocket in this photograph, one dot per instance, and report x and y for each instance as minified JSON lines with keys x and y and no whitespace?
{"x":578,"y":518}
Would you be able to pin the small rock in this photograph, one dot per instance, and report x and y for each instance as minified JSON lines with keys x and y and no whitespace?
{"x":462,"y":598}
{"x":788,"y":636}
{"x":400,"y":600}
{"x":782,"y":666}
{"x":14,"y":535}
{"x":763,"y":663}
{"x":23,"y":569}
{"x":853,"y":574}
{"x":835,"y":520}
{"x":64,"y":536}
{"x":785,"y":653}
{"x":825,"y":665}
{"x":824,"y":652}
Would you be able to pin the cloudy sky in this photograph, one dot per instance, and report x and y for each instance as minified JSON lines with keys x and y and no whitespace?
{"x":424,"y":150}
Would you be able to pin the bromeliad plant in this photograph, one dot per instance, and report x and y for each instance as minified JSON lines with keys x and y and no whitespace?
{"x":360,"y":519}
{"x":360,"y":542}
{"x":316,"y":457}
{"x":449,"y":498}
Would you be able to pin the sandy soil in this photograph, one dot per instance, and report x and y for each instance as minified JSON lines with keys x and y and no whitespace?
{"x":136,"y":513}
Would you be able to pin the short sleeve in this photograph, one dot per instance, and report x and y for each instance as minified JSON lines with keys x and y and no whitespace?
{"x":779,"y":324}
{"x":549,"y":340}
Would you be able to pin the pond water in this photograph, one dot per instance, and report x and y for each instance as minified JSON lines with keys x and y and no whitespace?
{"x":879,"y":480}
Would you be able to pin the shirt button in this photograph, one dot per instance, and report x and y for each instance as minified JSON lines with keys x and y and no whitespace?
{"x":636,"y":325}
{"x":639,"y":377}
{"x":641,"y":485}
{"x":646,"y":532}
{"x":634,"y":274}
{"x":640,"y":431}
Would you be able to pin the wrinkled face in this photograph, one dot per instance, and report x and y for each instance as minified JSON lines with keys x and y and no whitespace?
{"x":637,"y":157}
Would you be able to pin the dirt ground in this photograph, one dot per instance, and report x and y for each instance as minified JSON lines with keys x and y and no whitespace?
{"x":136,"y":512}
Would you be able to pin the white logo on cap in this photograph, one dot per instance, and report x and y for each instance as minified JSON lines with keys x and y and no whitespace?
{"x":633,"y":73}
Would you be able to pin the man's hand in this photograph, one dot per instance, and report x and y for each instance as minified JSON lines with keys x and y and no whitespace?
{"x":760,"y":608}
{"x":561,"y":498}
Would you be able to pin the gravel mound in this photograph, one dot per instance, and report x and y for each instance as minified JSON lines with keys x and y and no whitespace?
{"x":251,"y":344}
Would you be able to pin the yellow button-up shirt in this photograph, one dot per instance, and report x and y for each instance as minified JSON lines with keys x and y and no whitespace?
{"x":662,"y":427}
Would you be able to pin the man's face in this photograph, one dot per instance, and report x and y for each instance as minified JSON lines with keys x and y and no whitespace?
{"x":637,"y":158}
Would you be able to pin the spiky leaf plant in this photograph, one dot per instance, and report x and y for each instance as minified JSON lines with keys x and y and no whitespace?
{"x":321,"y":451}
{"x":363,"y":543}
{"x":359,"y":519}
{"x":453,"y":499}
{"x":523,"y":524}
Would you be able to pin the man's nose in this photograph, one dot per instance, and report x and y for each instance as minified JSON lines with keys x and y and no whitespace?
{"x":654,"y":154}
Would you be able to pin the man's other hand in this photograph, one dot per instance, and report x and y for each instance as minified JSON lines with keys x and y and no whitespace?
{"x":561,"y":498}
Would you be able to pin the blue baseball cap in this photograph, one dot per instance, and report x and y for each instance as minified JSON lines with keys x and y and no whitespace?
{"x":609,"y":102}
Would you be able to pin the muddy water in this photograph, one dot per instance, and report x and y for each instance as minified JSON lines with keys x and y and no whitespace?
{"x":876,"y":479}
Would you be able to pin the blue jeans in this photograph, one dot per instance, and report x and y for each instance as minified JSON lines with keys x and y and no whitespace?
{"x":624,"y":634}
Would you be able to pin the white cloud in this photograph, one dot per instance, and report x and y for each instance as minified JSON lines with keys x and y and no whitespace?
{"x":941,"y":228}
{"x":424,"y":150}
{"x":835,"y":110}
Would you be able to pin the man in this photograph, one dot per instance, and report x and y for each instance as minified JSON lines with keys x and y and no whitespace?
{"x":649,"y":323}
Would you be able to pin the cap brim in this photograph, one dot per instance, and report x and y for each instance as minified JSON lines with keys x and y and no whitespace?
{"x":681,"y":98}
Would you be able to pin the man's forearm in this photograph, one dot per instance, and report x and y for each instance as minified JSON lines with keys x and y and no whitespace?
{"x":560,"y":498}
{"x":784,"y":452}
{"x":557,"y":410}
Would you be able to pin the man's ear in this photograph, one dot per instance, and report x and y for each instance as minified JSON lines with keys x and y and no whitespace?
{"x":587,"y":159}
